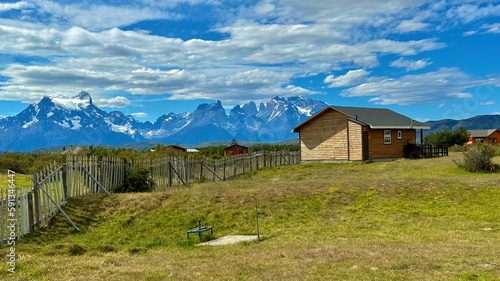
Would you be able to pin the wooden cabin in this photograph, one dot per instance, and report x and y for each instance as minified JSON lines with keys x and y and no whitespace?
{"x":491,"y":136}
{"x":177,"y":148}
{"x":235,"y":149}
{"x":340,"y":133}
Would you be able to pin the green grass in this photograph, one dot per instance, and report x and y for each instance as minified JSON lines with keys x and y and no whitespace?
{"x":21,"y":180}
{"x":401,"y":220}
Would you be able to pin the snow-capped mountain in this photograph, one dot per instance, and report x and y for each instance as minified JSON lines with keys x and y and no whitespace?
{"x":57,"y":121}
{"x":273,"y":121}
{"x":77,"y":121}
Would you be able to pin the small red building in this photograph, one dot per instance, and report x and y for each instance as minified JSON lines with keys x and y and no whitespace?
{"x":486,"y":136}
{"x":235,"y":149}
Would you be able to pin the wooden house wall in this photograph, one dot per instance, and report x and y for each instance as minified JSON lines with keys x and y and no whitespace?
{"x":325,"y":138}
{"x":379,"y":150}
{"x":355,"y":141}
{"x":235,"y":150}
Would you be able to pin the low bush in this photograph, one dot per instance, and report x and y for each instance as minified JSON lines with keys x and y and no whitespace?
{"x":457,"y":148}
{"x":478,"y":158}
{"x":137,"y":180}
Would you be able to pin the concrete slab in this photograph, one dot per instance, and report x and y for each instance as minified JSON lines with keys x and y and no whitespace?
{"x":228,"y":240}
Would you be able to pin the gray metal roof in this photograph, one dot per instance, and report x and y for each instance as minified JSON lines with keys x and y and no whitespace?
{"x":481,"y":133}
{"x":376,"y":118}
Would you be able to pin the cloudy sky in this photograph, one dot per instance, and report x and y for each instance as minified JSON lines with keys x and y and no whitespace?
{"x":426,"y":59}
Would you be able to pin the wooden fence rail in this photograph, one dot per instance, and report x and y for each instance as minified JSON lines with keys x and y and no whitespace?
{"x":52,"y":187}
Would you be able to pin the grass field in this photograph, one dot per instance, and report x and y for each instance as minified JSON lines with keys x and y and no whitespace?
{"x":401,"y":220}
{"x":20,"y":180}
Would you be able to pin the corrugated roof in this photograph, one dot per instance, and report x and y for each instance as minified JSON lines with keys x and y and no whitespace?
{"x":376,"y":118}
{"x":481,"y":133}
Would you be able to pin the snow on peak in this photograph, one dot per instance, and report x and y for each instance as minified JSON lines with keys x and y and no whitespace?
{"x":78,"y":102}
{"x":305,"y":111}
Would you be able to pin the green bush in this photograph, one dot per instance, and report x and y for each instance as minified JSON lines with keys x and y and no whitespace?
{"x":457,"y":148}
{"x":137,"y":180}
{"x":457,"y":137}
{"x":478,"y":158}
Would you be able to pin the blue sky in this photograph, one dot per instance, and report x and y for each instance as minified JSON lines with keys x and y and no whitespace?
{"x":428,"y":60}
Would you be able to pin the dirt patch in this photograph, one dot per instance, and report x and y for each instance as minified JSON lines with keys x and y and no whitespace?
{"x":229,"y":240}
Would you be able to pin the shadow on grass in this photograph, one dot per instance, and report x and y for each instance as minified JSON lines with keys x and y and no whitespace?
{"x":83,"y":211}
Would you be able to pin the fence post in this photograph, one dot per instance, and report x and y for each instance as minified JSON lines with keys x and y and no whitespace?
{"x":224,"y":173}
{"x":36,"y":198}
{"x":201,"y":170}
{"x":30,"y":212}
{"x":169,"y":174}
{"x":64,"y":182}
{"x":213,"y":176}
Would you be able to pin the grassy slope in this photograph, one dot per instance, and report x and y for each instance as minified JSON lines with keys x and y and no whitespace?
{"x":420,"y":220}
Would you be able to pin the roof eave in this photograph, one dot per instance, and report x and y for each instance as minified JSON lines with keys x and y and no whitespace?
{"x":401,"y":127}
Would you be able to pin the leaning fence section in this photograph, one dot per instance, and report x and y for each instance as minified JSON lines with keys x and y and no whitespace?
{"x":52,"y":187}
{"x":176,"y":171}
{"x":29,"y":208}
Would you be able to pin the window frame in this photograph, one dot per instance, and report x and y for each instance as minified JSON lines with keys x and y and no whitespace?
{"x":387,"y":137}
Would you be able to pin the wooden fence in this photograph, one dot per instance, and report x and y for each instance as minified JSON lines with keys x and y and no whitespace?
{"x":425,"y":150}
{"x":31,"y":207}
{"x":434,"y":150}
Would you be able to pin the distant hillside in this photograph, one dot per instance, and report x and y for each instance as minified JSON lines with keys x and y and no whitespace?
{"x":475,"y":123}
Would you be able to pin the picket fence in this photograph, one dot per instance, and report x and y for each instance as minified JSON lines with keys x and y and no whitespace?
{"x":31,"y":207}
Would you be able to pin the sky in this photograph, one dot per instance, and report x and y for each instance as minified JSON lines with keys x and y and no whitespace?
{"x":429,"y":60}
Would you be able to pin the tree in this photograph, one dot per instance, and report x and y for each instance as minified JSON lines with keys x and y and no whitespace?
{"x":457,"y":137}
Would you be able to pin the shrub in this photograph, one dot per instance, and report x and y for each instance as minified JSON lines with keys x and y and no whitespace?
{"x":137,"y":180}
{"x":457,"y":148}
{"x":457,"y":137}
{"x":478,"y":158}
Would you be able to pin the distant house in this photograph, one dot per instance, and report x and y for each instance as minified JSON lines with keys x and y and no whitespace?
{"x":177,"y":148}
{"x":356,"y":133}
{"x":491,"y":136}
{"x":235,"y":149}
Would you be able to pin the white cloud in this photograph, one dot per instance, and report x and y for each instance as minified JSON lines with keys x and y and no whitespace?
{"x":14,"y":6}
{"x":97,"y":17}
{"x":410,"y":65}
{"x":444,"y":84}
{"x":410,"y":25}
{"x":352,"y":77}
{"x":470,"y":32}
{"x":469,"y":12}
{"x":115,"y":102}
{"x":491,"y":28}
{"x":490,"y":102}
{"x":140,"y":114}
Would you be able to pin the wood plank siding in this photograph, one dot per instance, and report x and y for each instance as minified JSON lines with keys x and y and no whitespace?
{"x":355,"y":141}
{"x":324,"y":139}
{"x":379,"y":150}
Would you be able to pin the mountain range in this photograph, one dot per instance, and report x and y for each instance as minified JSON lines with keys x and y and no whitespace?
{"x":78,"y":121}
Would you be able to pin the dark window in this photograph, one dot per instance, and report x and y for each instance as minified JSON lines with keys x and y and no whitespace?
{"x":387,"y":137}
